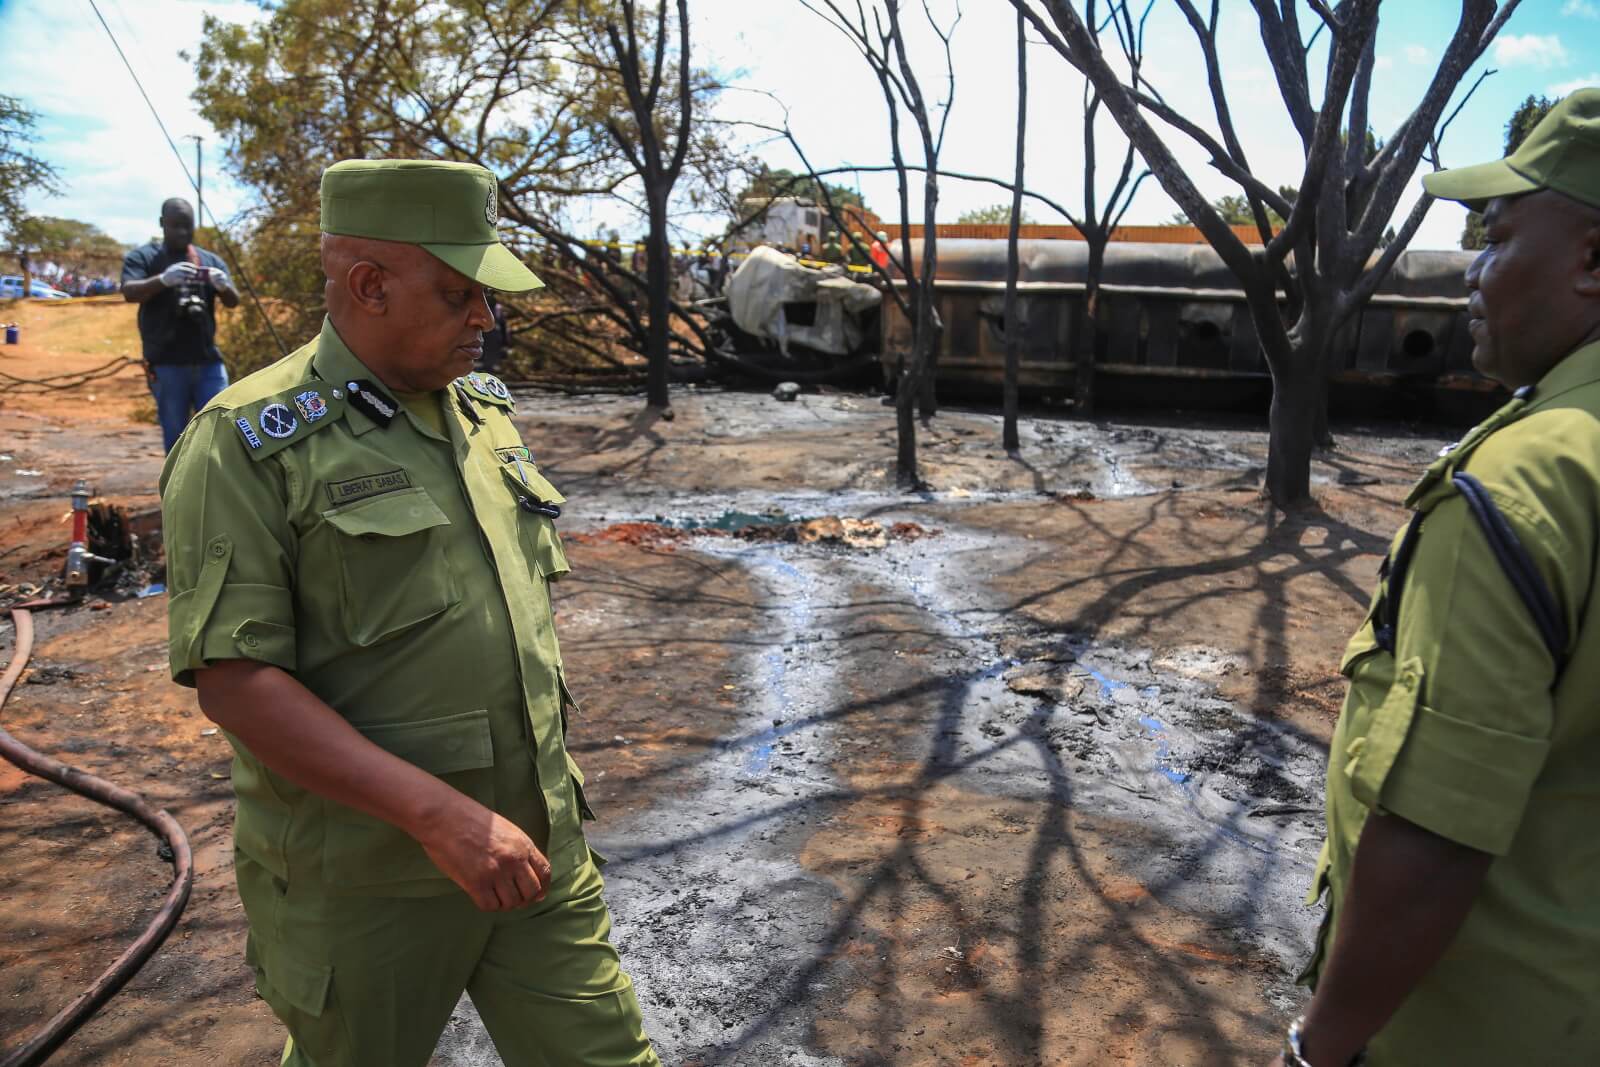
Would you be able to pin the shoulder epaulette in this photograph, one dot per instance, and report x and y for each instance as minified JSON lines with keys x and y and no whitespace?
{"x":282,"y":419}
{"x":487,"y":389}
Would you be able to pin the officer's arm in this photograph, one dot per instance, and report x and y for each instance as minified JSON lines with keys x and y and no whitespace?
{"x":1410,"y":891}
{"x":296,"y":735}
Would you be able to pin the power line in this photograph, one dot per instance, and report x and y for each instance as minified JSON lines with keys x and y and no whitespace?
{"x":227,"y":245}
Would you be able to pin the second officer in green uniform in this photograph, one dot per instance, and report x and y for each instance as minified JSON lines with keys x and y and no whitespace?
{"x":1462,"y":864}
{"x":359,"y":549}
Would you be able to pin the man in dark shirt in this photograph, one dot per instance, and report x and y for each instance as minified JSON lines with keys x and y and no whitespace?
{"x":176,"y":285}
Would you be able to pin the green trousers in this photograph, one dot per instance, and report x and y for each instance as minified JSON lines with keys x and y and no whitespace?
{"x":365,"y":981}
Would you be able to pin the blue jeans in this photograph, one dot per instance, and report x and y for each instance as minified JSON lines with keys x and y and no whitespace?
{"x":182,"y":389}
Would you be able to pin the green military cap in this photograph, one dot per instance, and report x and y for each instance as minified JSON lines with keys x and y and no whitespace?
{"x":450,"y":209}
{"x":1562,"y":153}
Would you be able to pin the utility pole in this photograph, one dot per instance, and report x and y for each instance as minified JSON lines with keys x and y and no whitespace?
{"x":199,"y":195}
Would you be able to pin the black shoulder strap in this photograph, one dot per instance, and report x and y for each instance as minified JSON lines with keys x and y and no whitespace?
{"x":1518,"y":565}
{"x":1513,"y":558}
{"x":1395,"y":565}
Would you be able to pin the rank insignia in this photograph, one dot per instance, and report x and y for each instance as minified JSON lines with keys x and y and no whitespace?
{"x":277,"y":421}
{"x":248,"y":431}
{"x":510,"y":455}
{"x":311,"y":405}
{"x":371,"y":401}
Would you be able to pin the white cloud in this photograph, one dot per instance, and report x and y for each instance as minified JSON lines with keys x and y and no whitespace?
{"x":1416,"y":54}
{"x":1582,"y":8}
{"x":1588,"y":81}
{"x":1543,"y":52}
{"x":1383,"y":63}
{"x":114,"y":164}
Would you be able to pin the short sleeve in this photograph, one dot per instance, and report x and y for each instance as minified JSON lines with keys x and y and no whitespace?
{"x":229,"y":544}
{"x":135,"y":266}
{"x":1474,"y":695}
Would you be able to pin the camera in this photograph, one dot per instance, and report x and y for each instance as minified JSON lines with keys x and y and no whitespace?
{"x":192,"y":303}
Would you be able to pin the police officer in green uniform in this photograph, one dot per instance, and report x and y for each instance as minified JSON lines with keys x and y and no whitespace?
{"x":833,"y":251}
{"x":1462,"y":863}
{"x":359,"y":550}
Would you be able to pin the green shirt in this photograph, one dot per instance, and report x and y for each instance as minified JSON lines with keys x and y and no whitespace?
{"x":400,"y":574}
{"x":1472,"y":730}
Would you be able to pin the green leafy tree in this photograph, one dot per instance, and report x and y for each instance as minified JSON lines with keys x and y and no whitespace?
{"x":1521,"y":123}
{"x":993,"y":215}
{"x":769,"y":182}
{"x":21,"y":171}
{"x":73,"y":244}
{"x":526,"y":88}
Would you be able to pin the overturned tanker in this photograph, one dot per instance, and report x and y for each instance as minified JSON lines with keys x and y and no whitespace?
{"x":1174,"y":332}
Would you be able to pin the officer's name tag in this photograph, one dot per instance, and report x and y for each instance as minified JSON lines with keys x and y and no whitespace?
{"x":368,"y":485}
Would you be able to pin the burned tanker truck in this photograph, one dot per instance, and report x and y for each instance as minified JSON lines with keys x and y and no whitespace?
{"x":1174,"y":331}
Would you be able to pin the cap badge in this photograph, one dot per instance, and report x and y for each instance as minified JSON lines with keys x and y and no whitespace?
{"x":491,"y":206}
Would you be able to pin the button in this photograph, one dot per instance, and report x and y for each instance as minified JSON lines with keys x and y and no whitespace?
{"x":218,"y":549}
{"x":1523,"y":392}
{"x":250,"y":641}
{"x":338,"y":394}
{"x":1409,"y":679}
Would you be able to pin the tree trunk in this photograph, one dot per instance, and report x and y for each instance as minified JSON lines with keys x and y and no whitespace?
{"x":1089,"y":343}
{"x":906,"y":473}
{"x":1010,"y":437}
{"x":658,"y":256}
{"x":1296,"y":397}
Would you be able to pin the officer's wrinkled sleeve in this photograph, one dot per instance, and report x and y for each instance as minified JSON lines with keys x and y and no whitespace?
{"x":229,"y":544}
{"x":1471,"y":705}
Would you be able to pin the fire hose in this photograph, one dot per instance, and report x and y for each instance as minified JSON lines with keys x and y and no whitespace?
{"x":37,"y":1048}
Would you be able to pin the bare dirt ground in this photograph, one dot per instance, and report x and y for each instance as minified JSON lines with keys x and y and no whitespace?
{"x":1042,"y":786}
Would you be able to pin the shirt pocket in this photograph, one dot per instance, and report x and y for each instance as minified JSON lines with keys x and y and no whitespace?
{"x":393,"y":572}
{"x":361,"y":852}
{"x":538,"y":503}
{"x":1370,"y":753}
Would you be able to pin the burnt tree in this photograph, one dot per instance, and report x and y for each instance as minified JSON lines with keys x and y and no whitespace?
{"x":1345,"y":202}
{"x":656,"y":155}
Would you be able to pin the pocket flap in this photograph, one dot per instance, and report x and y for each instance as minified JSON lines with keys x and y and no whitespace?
{"x":396,"y":514}
{"x":527,"y":481}
{"x":439,"y":746}
{"x":303,"y":985}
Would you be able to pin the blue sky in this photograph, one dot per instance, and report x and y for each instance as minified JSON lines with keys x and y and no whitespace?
{"x":117,"y":169}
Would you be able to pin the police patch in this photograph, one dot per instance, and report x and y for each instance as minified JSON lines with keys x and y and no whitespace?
{"x":248,"y":431}
{"x":311,"y":405}
{"x":343,"y":492}
{"x":277,"y":421}
{"x":511,"y":455}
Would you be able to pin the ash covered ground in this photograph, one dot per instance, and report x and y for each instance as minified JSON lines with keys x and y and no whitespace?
{"x":1025,"y":768}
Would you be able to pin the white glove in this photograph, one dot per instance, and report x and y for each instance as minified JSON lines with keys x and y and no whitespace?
{"x":180,"y":274}
{"x":219,"y":278}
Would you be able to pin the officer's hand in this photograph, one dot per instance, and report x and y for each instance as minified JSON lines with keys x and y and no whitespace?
{"x":497,"y":864}
{"x":179,"y":274}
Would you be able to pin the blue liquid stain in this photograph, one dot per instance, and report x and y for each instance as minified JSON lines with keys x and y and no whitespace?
{"x":1158,"y":733}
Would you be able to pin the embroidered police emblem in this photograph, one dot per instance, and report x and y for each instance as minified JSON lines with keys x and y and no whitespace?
{"x":278,"y":421}
{"x":248,"y":431}
{"x":311,"y":405}
{"x":491,"y":206}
